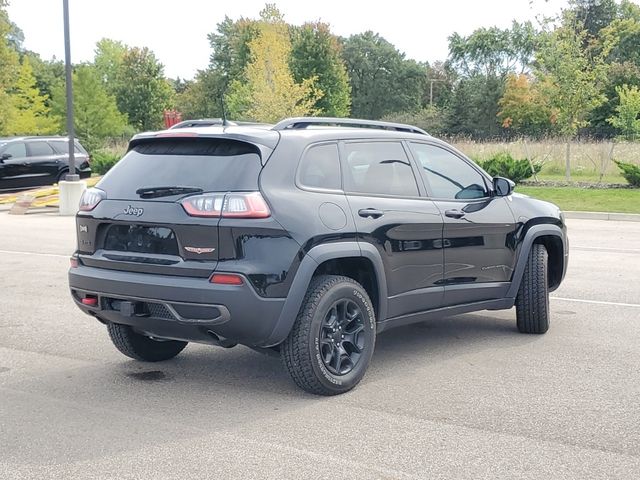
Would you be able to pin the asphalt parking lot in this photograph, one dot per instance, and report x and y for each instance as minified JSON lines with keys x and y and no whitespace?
{"x":464,"y":397}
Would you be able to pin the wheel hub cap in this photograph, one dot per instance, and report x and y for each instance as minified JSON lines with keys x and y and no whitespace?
{"x":342,"y":337}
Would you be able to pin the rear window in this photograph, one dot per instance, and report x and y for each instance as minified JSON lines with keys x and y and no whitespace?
{"x":214,"y":165}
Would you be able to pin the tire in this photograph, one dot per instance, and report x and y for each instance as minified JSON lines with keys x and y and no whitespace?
{"x":331,"y":343}
{"x":532,"y":301}
{"x":140,"y":347}
{"x":62,"y":175}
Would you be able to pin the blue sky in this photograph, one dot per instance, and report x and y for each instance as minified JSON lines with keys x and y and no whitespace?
{"x":177,"y":31}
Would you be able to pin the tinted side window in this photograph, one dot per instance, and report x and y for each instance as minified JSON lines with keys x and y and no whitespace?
{"x":62,"y":146}
{"x":39,"y":149}
{"x":379,"y":168}
{"x":320,"y":167}
{"x":16,"y":150}
{"x":447,"y":174}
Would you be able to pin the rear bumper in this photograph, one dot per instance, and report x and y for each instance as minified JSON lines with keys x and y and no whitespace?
{"x":180,"y":308}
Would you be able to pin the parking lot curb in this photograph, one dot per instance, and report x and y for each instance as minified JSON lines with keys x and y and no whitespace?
{"x":624,"y":217}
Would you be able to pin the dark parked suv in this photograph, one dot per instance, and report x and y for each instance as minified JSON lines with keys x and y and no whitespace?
{"x":27,"y":162}
{"x":307,"y":238}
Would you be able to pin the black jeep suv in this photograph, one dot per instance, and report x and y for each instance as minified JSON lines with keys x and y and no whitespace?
{"x":307,"y":238}
{"x":27,"y":162}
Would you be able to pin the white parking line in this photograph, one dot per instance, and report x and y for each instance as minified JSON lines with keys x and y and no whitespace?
{"x":605,"y":249}
{"x":578,"y":300}
{"x":57,"y":255}
{"x":597,"y":302}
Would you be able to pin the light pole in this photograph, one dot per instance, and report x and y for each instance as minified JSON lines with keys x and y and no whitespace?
{"x":71,"y":188}
{"x":71,"y":176}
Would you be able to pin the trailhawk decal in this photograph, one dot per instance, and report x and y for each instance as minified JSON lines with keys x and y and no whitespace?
{"x":199,"y":250}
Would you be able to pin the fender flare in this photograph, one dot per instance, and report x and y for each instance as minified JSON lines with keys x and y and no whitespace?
{"x":307,"y":268}
{"x":532,"y":234}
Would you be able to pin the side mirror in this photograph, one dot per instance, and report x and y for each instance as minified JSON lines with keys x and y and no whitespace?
{"x":502,"y":186}
{"x":5,"y":156}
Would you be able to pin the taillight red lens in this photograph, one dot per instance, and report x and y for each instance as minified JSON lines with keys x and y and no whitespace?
{"x":90,"y":301}
{"x":245,"y":205}
{"x":91,"y":197}
{"x":73,"y":261}
{"x":208,"y":205}
{"x":233,"y":205}
{"x":226,"y":279}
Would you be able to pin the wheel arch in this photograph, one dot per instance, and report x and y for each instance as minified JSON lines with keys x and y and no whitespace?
{"x":554,"y":240}
{"x":351,"y":259}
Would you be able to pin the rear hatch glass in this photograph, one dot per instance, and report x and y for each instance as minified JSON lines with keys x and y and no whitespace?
{"x":214,"y":165}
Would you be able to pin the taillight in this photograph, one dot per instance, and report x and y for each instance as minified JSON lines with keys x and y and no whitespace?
{"x":208,"y":205}
{"x":91,"y":197}
{"x":233,"y":205}
{"x":226,"y":279}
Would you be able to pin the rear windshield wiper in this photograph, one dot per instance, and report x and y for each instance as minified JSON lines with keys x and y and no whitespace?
{"x":155,"y":192}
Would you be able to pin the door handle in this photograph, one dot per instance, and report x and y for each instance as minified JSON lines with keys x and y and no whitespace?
{"x":370,"y":213}
{"x":454,"y":213}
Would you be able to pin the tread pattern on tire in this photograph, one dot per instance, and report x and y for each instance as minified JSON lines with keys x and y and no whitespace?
{"x":139,"y":347}
{"x":295,"y":352}
{"x":532,"y":301}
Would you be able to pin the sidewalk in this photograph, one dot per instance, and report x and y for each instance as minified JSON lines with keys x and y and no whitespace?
{"x":621,"y":217}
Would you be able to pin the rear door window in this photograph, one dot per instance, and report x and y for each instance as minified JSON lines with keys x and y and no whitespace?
{"x":320,"y":167}
{"x":214,"y":165}
{"x":39,"y":149}
{"x":379,"y":168}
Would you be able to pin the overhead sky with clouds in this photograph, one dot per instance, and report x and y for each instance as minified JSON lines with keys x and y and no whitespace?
{"x":177,"y":30}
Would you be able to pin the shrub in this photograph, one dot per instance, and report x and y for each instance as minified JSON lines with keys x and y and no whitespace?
{"x":630,"y":172}
{"x":103,"y":161}
{"x":504,"y":165}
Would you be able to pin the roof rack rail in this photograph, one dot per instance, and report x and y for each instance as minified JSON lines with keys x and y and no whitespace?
{"x":304,"y":122}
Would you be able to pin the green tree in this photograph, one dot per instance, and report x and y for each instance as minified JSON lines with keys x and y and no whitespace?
{"x":473,"y":108}
{"x":108,"y":60}
{"x":141,"y":91}
{"x":622,"y":37}
{"x":627,"y":118}
{"x":96,"y":115}
{"x":270,"y":92}
{"x":483,"y":61}
{"x":201,"y":97}
{"x":316,"y":53}
{"x":9,"y":66}
{"x":593,"y":15}
{"x":136,"y":78}
{"x":572,"y":79}
{"x":523,"y":108}
{"x":230,"y":49}
{"x":383,"y":81}
{"x":493,"y":52}
{"x":28,"y":110}
{"x":48,"y":74}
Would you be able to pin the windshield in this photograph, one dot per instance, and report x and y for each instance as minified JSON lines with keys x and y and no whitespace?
{"x":212,"y":165}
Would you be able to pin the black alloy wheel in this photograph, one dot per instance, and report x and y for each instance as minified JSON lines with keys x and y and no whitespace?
{"x":342,"y":340}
